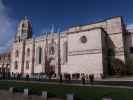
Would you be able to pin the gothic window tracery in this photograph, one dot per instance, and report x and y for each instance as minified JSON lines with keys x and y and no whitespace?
{"x":24,"y":31}
{"x":52,"y":50}
{"x":23,"y":25}
{"x":27,"y":65}
{"x":16,"y":65}
{"x":39,"y":55}
{"x":65,"y":53}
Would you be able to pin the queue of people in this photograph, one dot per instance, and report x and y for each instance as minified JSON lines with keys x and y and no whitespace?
{"x":85,"y":79}
{"x":89,"y":78}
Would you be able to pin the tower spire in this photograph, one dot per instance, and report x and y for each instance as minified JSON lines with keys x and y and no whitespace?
{"x":52,"y":33}
{"x":25,"y":17}
{"x":24,"y":30}
{"x":52,"y":28}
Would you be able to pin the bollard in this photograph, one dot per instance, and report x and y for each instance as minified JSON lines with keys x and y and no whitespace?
{"x":26,"y":92}
{"x":44,"y":95}
{"x":11,"y":89}
{"x":106,"y":98}
{"x":70,"y":97}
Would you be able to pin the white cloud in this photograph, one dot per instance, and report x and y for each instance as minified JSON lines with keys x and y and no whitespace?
{"x":130,"y":26}
{"x":6,"y":28}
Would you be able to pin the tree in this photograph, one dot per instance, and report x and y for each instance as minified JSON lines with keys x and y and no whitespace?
{"x":129,"y":67}
{"x":118,"y":67}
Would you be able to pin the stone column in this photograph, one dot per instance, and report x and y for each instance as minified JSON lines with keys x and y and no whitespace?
{"x":70,"y":97}
{"x":44,"y":95}
{"x":11,"y":89}
{"x":106,"y":98}
{"x":26,"y":92}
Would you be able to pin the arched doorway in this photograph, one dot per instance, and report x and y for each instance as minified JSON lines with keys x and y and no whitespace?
{"x":50,"y":68}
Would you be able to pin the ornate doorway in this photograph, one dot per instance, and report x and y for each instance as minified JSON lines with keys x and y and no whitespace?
{"x":50,"y":68}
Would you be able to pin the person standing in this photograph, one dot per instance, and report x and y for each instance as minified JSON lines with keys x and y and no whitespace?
{"x":83,"y":79}
{"x":91,"y":77}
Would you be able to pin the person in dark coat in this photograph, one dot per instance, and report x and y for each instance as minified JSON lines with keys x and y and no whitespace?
{"x":91,"y":77}
{"x":60,"y":78}
{"x":27,"y":76}
{"x":83,"y":79}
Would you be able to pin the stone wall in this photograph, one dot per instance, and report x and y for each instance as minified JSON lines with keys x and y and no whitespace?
{"x":85,"y":57}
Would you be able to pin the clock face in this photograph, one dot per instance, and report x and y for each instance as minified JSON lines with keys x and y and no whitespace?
{"x":83,"y":39}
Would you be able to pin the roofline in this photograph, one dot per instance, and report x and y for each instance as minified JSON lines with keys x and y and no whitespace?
{"x":85,"y":30}
{"x":95,"y":22}
{"x":5,"y":53}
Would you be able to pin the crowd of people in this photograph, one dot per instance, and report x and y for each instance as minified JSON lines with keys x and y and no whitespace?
{"x":62,"y":77}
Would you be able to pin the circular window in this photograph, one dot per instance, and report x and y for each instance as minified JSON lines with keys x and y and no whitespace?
{"x":83,"y":39}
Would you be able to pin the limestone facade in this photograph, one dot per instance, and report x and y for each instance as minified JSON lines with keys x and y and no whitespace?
{"x":81,"y":49}
{"x":5,"y":62}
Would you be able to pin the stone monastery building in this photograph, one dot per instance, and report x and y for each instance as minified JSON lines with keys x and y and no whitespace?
{"x":87,"y":49}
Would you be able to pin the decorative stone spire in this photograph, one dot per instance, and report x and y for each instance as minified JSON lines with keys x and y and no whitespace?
{"x":24,"y":30}
{"x":25,"y":17}
{"x":52,"y":33}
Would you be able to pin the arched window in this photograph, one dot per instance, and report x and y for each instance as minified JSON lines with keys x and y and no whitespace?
{"x":16,"y":65}
{"x":39,"y":55}
{"x":28,"y":52}
{"x":51,"y":50}
{"x":24,"y":31}
{"x":27,"y":65}
{"x":65,"y":53}
{"x":17,"y":53}
{"x":23,"y":25}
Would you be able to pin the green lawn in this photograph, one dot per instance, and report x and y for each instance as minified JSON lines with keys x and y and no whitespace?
{"x":83,"y":92}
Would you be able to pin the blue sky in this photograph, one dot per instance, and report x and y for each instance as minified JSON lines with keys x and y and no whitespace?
{"x":61,"y":13}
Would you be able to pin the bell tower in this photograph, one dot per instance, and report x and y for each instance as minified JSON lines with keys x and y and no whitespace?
{"x":24,"y":30}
